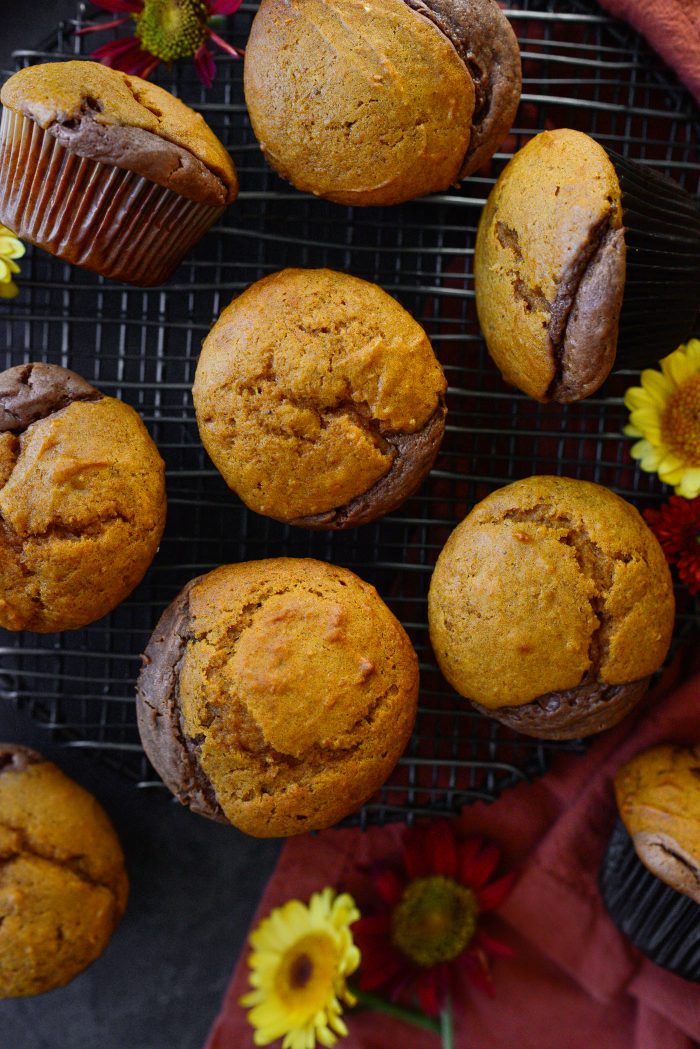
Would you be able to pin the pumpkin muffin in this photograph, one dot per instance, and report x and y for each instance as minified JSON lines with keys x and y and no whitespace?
{"x":82,"y":500}
{"x":551,"y":606}
{"x":584,"y":262}
{"x":63,"y":886}
{"x":650,"y":877}
{"x":108,"y":171}
{"x":319,"y":399}
{"x":379,"y":102}
{"x":277,"y":695}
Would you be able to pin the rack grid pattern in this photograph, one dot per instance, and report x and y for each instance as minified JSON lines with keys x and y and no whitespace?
{"x":581,"y":69}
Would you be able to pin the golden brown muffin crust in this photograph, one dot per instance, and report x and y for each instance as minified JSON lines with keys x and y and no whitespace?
{"x":82,"y":510}
{"x":305,"y":386}
{"x":292,"y":687}
{"x":342,"y":112}
{"x":486,"y":43}
{"x":108,"y":115}
{"x":550,"y":267}
{"x":63,"y":886}
{"x":658,"y":795}
{"x":547,"y":584}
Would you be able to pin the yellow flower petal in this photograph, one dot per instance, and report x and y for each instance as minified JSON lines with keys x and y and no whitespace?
{"x":671,"y":461}
{"x":689,"y":486}
{"x":648,"y":423}
{"x":692,"y":352}
{"x":631,"y":431}
{"x":11,"y":248}
{"x":671,"y":476}
{"x":677,"y":367}
{"x":638,"y":397}
{"x":9,"y":290}
{"x":657,"y":386}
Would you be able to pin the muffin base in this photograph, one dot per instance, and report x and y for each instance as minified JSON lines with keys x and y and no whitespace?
{"x":572,"y":714}
{"x":662,"y":236}
{"x":662,"y":923}
{"x":94,"y":215}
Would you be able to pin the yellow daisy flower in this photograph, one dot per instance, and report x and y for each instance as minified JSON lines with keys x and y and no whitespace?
{"x":301,"y":957}
{"x":10,"y":249}
{"x":665,"y":414}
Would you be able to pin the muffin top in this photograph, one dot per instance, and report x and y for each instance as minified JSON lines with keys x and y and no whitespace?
{"x":349,"y":115}
{"x":658,"y":795}
{"x":317,"y":393}
{"x":277,"y":695}
{"x":82,"y":499}
{"x":550,"y":267}
{"x":107,"y":115}
{"x":63,"y":887}
{"x":549,"y":583}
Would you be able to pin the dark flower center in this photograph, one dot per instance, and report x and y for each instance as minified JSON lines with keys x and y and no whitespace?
{"x":434,"y":921}
{"x":301,"y":970}
{"x":172,"y":29}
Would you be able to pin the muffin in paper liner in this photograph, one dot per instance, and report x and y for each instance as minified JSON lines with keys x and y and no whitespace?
{"x":95,"y":215}
{"x":662,"y":923}
{"x":108,"y":171}
{"x":661,"y":302}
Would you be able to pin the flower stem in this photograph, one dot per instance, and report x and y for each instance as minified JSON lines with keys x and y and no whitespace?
{"x":373,"y":1001}
{"x":447,"y":1027}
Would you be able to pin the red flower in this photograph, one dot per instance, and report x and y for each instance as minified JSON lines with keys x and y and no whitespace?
{"x":430,"y":931}
{"x":165,"y":30}
{"x":677,"y":527}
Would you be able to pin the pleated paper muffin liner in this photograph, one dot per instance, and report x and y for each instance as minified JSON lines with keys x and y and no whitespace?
{"x":95,"y":215}
{"x":660,"y":922}
{"x":662,"y":290}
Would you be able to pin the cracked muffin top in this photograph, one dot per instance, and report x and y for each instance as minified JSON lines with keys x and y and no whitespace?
{"x":658,"y":795}
{"x":277,"y":695}
{"x":550,"y":584}
{"x":63,"y":886}
{"x":550,"y":267}
{"x":379,"y":102}
{"x":319,"y":399}
{"x":82,"y":500}
{"x":110,"y":116}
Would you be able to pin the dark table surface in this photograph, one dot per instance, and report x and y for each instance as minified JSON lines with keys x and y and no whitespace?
{"x":194,"y":884}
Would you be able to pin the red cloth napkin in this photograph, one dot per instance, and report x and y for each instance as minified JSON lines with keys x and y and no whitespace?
{"x":575,"y":981}
{"x":672,"y":27}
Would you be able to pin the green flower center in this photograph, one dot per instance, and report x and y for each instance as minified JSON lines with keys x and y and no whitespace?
{"x":172,"y":29}
{"x":680,"y":423}
{"x":434,"y":920}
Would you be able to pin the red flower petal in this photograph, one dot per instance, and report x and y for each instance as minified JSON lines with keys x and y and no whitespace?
{"x":476,"y":967}
{"x":224,"y":7}
{"x":388,"y":884}
{"x":101,"y":26}
{"x":205,"y":65}
{"x":415,"y":856}
{"x":378,"y":971}
{"x":495,"y":947}
{"x":441,"y":849}
{"x":372,"y":925}
{"x":224,"y":45}
{"x":493,"y":895}
{"x":428,"y":993}
{"x":482,"y":866}
{"x":120,"y":6}
{"x":467,"y":851}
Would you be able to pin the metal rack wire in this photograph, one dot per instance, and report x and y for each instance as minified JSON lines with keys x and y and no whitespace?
{"x":581,"y":69}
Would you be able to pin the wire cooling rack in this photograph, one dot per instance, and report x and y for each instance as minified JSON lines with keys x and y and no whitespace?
{"x":581,"y":70}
